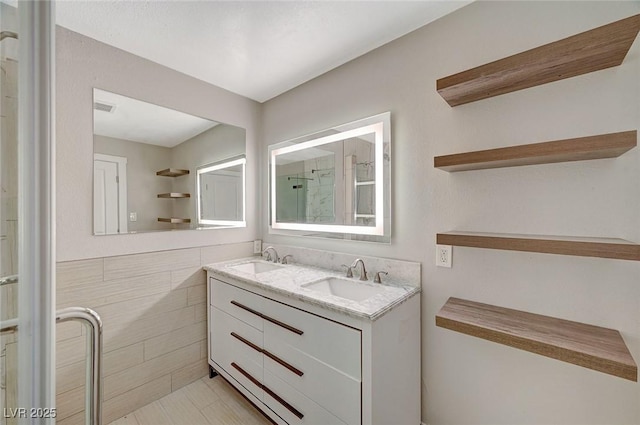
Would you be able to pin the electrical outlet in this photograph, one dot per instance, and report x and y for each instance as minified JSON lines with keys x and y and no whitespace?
{"x":443,"y":255}
{"x":257,"y":247}
{"x":133,"y":216}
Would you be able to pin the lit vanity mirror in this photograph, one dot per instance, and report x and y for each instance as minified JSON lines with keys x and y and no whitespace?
{"x":221,"y":188}
{"x":335,"y":183}
{"x":159,"y":169}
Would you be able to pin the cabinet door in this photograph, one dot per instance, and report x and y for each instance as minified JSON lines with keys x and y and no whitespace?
{"x":330,"y":342}
{"x":293,"y":406}
{"x":331,"y":389}
{"x":237,"y":348}
{"x":323,"y":363}
{"x":241,"y":304}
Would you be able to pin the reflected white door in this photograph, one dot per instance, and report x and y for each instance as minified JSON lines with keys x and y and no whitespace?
{"x":105,"y":198}
{"x":222,"y":196}
{"x":109,"y":195}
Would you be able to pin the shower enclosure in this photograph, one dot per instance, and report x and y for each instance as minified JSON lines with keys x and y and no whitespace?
{"x":27,"y":224}
{"x":307,"y":196}
{"x":8,"y":211}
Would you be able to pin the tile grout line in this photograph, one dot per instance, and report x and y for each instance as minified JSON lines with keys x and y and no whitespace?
{"x":164,"y":410}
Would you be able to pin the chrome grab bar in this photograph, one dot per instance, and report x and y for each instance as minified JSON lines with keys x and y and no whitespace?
{"x":8,"y":279}
{"x":93,"y":391}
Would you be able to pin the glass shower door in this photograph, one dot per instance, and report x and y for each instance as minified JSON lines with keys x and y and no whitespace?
{"x":27,"y":260}
{"x":8,"y":213}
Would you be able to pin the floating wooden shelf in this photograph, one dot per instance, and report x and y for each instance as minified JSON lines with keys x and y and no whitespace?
{"x":174,"y":195}
{"x":579,"y":149}
{"x":174,"y":220}
{"x":564,"y":245}
{"x":172,"y":172}
{"x":599,"y":48}
{"x":585,"y":345}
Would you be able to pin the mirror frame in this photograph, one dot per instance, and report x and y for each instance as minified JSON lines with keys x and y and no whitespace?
{"x":380,"y":126}
{"x":221,"y":165}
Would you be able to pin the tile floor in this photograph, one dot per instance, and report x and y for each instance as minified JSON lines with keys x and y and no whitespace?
{"x":203,"y":402}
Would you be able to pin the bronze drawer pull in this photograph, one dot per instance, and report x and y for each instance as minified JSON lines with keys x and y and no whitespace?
{"x":268,"y":354}
{"x":265,"y":317}
{"x":283,"y":363}
{"x":248,"y":376}
{"x":246,"y":341}
{"x":275,"y":396}
{"x":244,"y":307}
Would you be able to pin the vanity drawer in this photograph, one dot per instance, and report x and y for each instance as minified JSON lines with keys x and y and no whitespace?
{"x":293,"y":406}
{"x":337,"y":345}
{"x":231,"y":342}
{"x":331,"y":389}
{"x":236,"y":302}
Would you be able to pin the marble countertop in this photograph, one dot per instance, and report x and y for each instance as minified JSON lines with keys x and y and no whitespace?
{"x":289,"y":280}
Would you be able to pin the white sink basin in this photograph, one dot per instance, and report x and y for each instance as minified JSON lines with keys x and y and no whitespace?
{"x":343,"y":288}
{"x":256,"y":267}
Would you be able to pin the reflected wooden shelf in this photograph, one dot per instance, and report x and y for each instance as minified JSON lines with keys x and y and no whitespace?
{"x":593,"y":50}
{"x":174,"y":220}
{"x":174,"y":195}
{"x":585,"y":345}
{"x":563,"y":245}
{"x":172,"y":172}
{"x":579,"y":149}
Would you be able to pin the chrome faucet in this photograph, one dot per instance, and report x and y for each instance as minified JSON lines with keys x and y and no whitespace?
{"x":349,"y":270}
{"x":275,"y":257}
{"x":284,"y":259}
{"x":363,"y":272}
{"x":377,"y":278}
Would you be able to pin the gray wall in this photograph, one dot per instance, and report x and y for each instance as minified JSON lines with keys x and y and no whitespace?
{"x":82,"y":64}
{"x":468,"y":380}
{"x":143,"y":186}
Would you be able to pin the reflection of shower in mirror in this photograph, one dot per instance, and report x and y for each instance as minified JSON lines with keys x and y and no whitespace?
{"x":340,"y":182}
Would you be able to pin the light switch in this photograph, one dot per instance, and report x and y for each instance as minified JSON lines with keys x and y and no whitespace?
{"x":133,"y":216}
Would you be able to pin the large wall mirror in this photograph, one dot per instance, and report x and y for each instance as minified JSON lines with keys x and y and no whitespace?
{"x":159,"y":169}
{"x":335,"y":183}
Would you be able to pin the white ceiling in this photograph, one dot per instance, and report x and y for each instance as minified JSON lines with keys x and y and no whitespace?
{"x":144,"y":122}
{"x":258,"y":49}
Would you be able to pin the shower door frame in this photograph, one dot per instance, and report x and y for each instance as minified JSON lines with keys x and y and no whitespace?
{"x":36,"y":210}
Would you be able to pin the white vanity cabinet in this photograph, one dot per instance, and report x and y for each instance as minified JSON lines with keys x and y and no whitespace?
{"x":301,"y":363}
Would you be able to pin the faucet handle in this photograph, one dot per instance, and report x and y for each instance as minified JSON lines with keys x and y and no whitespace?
{"x":267,"y":255}
{"x":377,"y":278}
{"x":284,"y":259}
{"x":268,"y":250}
{"x":349,"y":270}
